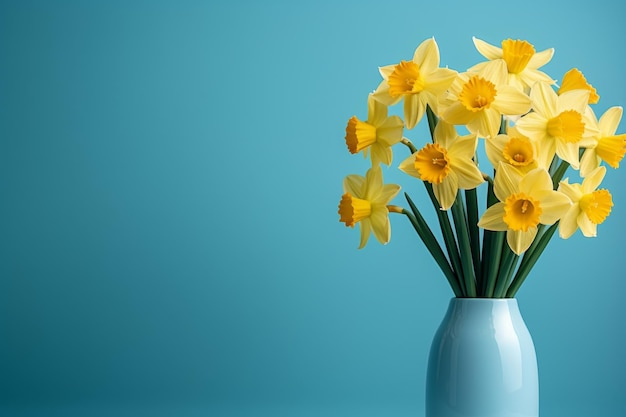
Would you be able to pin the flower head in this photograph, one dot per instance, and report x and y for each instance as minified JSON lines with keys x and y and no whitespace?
{"x":525,"y":202}
{"x":479,"y":99}
{"x":447,"y":164}
{"x":606,"y":146}
{"x":377,"y":135}
{"x":559,"y":124}
{"x":365,"y":202}
{"x":513,"y":149}
{"x":522,"y":61}
{"x":575,"y":80}
{"x":590,"y":206}
{"x":419,"y":82}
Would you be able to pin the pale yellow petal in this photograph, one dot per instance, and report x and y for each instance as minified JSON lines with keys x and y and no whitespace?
{"x":589,"y":161}
{"x":496,"y":71}
{"x":387,"y":194}
{"x":354,"y":184}
{"x":568,"y":152}
{"x":593,"y":180}
{"x":366,"y":228}
{"x":487,"y":50}
{"x":519,"y":240}
{"x":573,"y":100}
{"x":510,"y":101}
{"x":486,"y":123}
{"x":531,"y":76}
{"x":554,"y":205}
{"x":457,"y":114}
{"x":544,"y":100}
{"x":380,"y":225}
{"x":382,"y":95}
{"x":390,"y":131}
{"x":494,"y":147}
{"x":414,"y":109}
{"x":447,"y":190}
{"x":373,"y":182}
{"x":533,"y":125}
{"x":386,"y":71}
{"x":586,"y":226}
{"x":573,"y":191}
{"x":506,"y":181}
{"x":439,"y":80}
{"x":536,"y":181}
{"x":376,"y":111}
{"x":569,"y":222}
{"x":408,"y":167}
{"x":469,"y":175}
{"x":380,"y":154}
{"x":427,"y":55}
{"x":609,"y":121}
{"x":492,"y":218}
{"x":540,"y":59}
{"x":462,"y":147}
{"x":445,"y":134}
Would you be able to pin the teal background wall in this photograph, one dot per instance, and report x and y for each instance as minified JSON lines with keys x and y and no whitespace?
{"x":169,"y":237}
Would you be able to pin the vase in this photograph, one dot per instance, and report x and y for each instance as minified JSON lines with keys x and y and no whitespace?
{"x":482,"y":362}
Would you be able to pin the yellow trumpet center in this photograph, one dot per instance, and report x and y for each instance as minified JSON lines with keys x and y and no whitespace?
{"x":477,"y":94}
{"x":359,"y":135}
{"x":521,"y":212}
{"x":597,"y":205}
{"x":352,"y":210}
{"x":517,"y":54}
{"x":568,"y":126}
{"x":575,"y":80}
{"x":432,"y":163}
{"x":611,"y":149}
{"x":406,"y":78}
{"x":518,"y":151}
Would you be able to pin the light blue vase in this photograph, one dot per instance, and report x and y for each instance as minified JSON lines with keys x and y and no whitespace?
{"x":482,"y":362}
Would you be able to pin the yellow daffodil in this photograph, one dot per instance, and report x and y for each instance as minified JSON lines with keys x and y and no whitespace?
{"x":447,"y":164}
{"x":365,"y":202}
{"x":377,"y":135}
{"x":419,"y":82}
{"x":590,"y":206}
{"x":479,"y":99}
{"x":513,"y":149}
{"x":575,"y":80}
{"x":559,"y":124}
{"x":525,"y":202}
{"x":606,"y":146}
{"x":522,"y":61}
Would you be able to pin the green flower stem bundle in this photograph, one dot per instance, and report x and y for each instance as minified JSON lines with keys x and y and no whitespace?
{"x":532,"y":134}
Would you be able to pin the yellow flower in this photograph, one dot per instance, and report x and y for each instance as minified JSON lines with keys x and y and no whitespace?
{"x":365,"y":202}
{"x":478,"y":100}
{"x":419,"y":82}
{"x":525,"y":202}
{"x":513,"y":149}
{"x":378,"y":134}
{"x":558,"y":123}
{"x":522,"y":61}
{"x":575,"y":80}
{"x":606,"y":146}
{"x":590,"y":206}
{"x":447,"y":164}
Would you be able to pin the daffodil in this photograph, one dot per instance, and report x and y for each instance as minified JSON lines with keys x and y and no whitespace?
{"x":377,"y":134}
{"x":590,"y":206}
{"x":575,"y":80}
{"x":419,"y":82}
{"x":513,"y":149}
{"x":559,"y":124}
{"x":606,"y":146}
{"x":479,"y":99}
{"x":365,"y":202}
{"x":525,"y":202}
{"x":522,"y":61}
{"x":447,"y":164}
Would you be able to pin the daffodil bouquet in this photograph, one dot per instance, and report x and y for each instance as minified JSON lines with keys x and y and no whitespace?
{"x":533,"y":132}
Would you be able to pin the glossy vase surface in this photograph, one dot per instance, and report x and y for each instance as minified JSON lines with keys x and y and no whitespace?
{"x":482,"y":362}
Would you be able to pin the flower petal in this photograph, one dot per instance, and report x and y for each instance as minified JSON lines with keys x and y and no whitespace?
{"x":427,"y":55}
{"x":376,"y":111}
{"x":447,"y":190}
{"x":569,"y":152}
{"x":496,"y":71}
{"x":573,"y":191}
{"x":573,"y":100}
{"x":487,"y":50}
{"x":589,"y":161}
{"x":569,"y":223}
{"x":511,"y":101}
{"x":494,"y":147}
{"x":593,"y":180}
{"x":544,"y":100}
{"x":554,"y":205}
{"x":382,"y":94}
{"x":506,"y":181}
{"x":366,"y":227}
{"x":373,"y":183}
{"x":588,"y":228}
{"x":457,"y":114}
{"x":540,"y":59}
{"x":486,"y":123}
{"x":414,"y":109}
{"x":439,"y":80}
{"x":535,"y":182}
{"x":408,"y":166}
{"x":609,"y":121}
{"x":387,"y":194}
{"x":519,"y":240}
{"x":493,"y":218}
{"x":380,"y":225}
{"x":354,"y":184}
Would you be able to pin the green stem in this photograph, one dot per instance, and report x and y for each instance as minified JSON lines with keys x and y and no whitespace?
{"x":409,"y":145}
{"x":471,"y":200}
{"x":492,"y":243}
{"x":558,"y":174}
{"x":507,"y":266}
{"x":448,"y":235}
{"x":432,"y":121}
{"x":465,"y":247}
{"x":530,"y":259}
{"x":427,"y":236}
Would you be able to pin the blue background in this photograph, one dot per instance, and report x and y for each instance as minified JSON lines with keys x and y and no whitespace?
{"x":169,"y":237}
